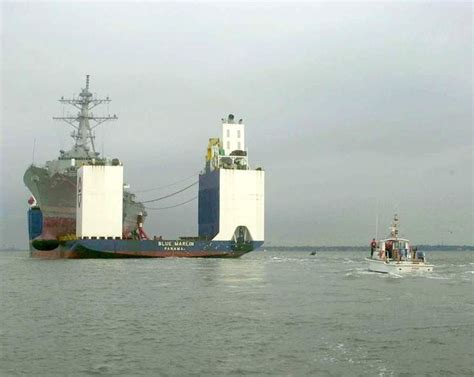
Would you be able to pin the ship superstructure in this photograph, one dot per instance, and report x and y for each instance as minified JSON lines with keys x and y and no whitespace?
{"x":53,"y":186}
{"x":231,"y":193}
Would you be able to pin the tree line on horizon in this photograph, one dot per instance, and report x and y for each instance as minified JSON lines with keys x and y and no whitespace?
{"x":364,"y":248}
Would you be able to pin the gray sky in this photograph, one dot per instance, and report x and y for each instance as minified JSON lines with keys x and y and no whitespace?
{"x":352,"y":108}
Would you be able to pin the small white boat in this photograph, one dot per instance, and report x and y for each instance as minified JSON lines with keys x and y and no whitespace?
{"x":396,"y":255}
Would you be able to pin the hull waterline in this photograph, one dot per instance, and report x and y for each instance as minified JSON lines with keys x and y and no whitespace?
{"x":395,"y":267}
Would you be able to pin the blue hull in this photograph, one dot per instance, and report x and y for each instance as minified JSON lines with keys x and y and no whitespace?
{"x":104,"y":248}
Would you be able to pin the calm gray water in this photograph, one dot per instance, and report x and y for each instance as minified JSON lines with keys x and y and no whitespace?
{"x":268,"y":313}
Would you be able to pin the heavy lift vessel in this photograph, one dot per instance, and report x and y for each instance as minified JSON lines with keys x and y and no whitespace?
{"x":230,"y":210}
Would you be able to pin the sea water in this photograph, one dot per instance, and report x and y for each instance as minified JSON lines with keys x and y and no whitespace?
{"x":268,"y":313}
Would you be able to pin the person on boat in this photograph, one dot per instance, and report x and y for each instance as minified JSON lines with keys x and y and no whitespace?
{"x":398,"y":254}
{"x":382,"y":252}
{"x":420,"y":255}
{"x":389,"y":248}
{"x":405,"y":253}
{"x":373,"y":246}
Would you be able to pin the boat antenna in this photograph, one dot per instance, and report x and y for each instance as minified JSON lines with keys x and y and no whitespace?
{"x":376,"y":225}
{"x":376,"y":219}
{"x":34,"y":149}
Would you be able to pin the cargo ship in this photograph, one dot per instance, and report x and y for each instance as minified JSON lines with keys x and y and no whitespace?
{"x":108,"y":222}
{"x":54,"y":185}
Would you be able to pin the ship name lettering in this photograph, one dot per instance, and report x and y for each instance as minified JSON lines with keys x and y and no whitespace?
{"x":175,"y":243}
{"x":173,"y":248}
{"x":183,"y":243}
{"x":164,"y":243}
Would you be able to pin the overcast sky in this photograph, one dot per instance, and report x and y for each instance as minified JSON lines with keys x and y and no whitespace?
{"x":353,"y":109}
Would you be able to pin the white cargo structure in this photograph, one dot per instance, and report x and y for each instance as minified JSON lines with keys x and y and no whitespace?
{"x":241,"y":203}
{"x":231,"y":194}
{"x":99,"y":211}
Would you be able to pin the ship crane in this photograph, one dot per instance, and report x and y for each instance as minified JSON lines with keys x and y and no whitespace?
{"x":83,"y":135}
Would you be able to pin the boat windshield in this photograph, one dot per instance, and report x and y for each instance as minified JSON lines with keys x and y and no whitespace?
{"x":400,"y":245}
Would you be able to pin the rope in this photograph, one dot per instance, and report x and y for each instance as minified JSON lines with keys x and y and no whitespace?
{"x":169,"y":185}
{"x":176,"y":205}
{"x":172,"y":194}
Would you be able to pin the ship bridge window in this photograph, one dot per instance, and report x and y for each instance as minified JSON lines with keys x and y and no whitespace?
{"x":228,"y":133}
{"x":238,"y":135}
{"x":228,"y":145}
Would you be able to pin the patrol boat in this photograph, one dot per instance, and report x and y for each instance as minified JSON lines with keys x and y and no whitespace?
{"x":396,"y":255}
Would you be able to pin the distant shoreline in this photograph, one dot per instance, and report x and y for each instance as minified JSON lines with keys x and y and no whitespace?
{"x":364,"y":248}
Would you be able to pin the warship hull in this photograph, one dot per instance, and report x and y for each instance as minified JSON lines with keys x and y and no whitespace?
{"x":56,"y":197}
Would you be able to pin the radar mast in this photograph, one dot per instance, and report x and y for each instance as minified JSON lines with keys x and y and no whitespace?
{"x":394,"y":227}
{"x":82,"y":134}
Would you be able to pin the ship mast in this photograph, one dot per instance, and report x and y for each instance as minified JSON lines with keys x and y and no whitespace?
{"x":82,"y":134}
{"x":394,"y":227}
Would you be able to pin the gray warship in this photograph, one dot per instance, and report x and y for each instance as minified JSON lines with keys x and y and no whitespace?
{"x":53,"y":186}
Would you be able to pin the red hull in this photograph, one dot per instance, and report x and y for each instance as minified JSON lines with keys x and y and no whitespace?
{"x":55,"y":227}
